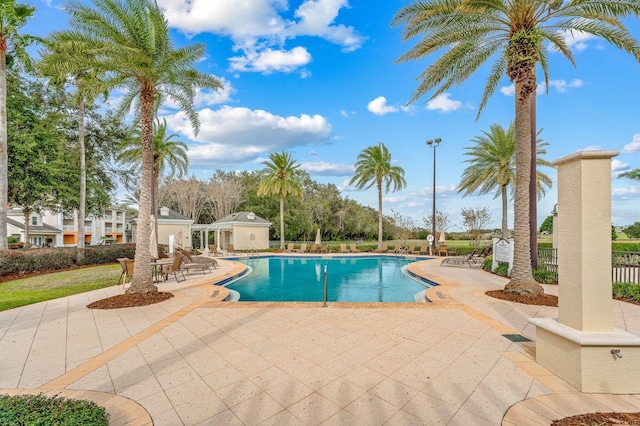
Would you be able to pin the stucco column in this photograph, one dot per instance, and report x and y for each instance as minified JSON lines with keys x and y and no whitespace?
{"x":218,"y":239}
{"x":584,"y":240}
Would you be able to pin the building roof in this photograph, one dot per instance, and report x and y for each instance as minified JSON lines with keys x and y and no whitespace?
{"x":171,"y":215}
{"x":34,"y":229}
{"x":242,"y":218}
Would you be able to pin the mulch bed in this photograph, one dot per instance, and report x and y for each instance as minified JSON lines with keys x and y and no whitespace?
{"x":542,"y":300}
{"x":599,"y":419}
{"x":130,"y":300}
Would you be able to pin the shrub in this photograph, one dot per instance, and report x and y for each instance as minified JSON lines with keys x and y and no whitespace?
{"x":42,"y":410}
{"x":502,"y":270}
{"x":630,"y":246}
{"x":626,"y":291}
{"x":48,"y":259}
{"x":543,"y":276}
{"x":488,"y":262}
{"x":11,"y":239}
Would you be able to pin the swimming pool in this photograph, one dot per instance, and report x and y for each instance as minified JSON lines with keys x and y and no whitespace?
{"x":349,"y":279}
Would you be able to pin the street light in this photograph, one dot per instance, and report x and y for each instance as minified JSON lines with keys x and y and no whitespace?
{"x":434,"y":143}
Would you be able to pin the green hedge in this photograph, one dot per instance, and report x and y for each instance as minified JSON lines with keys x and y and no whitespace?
{"x":42,"y":410}
{"x":47,"y":259}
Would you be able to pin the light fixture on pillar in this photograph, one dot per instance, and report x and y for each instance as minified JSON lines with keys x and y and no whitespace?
{"x":434,"y":144}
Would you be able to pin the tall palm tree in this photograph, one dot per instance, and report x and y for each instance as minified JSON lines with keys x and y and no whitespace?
{"x":516,"y":34}
{"x":62,"y":61}
{"x":12,"y":17}
{"x":130,"y":40}
{"x":493,"y":167}
{"x":374,"y":167}
{"x":167,"y":154}
{"x":280,"y":177}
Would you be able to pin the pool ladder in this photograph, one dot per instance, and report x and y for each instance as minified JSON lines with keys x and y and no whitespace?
{"x":253,"y":252}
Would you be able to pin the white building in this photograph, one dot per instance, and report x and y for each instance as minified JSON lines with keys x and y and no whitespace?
{"x":58,"y":229}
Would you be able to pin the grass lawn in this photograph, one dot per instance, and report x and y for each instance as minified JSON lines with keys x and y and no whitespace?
{"x":58,"y":284}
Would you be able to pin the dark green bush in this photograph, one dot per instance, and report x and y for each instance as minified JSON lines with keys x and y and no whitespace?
{"x":488,"y":262}
{"x":629,"y":246}
{"x":545,"y":245}
{"x":42,"y":410}
{"x":502,"y":270}
{"x":543,"y":276}
{"x":627,"y":291}
{"x":50,"y":259}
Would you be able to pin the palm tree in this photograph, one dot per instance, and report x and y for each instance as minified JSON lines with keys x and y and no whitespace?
{"x":62,"y":63}
{"x":374,"y":167}
{"x":633,"y":174}
{"x":167,"y":153}
{"x":492,"y":165}
{"x":516,"y":34}
{"x":130,"y":41}
{"x":12,"y":17}
{"x":280,"y":177}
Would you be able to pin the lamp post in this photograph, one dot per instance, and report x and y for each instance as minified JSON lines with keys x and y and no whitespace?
{"x":434,"y":143}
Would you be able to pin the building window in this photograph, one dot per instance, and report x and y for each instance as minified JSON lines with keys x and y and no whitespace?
{"x":34,"y":220}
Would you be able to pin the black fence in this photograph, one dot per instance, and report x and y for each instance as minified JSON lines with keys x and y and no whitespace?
{"x":625,"y":265}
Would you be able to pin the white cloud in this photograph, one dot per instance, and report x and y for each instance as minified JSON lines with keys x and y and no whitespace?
{"x":590,"y":148}
{"x":618,"y":166}
{"x":230,"y":135}
{"x":262,"y":25}
{"x":625,"y":192}
{"x":443,"y":103}
{"x":268,"y":60}
{"x":561,"y":86}
{"x":577,"y":40}
{"x":633,"y":146}
{"x":322,"y":168}
{"x":379,"y":106}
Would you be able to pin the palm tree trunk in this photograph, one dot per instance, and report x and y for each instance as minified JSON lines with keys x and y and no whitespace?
{"x":83,"y":171}
{"x":281,"y":220}
{"x":26,"y":213}
{"x":379,"y":214}
{"x":505,"y":211}
{"x":522,"y":281}
{"x":141,"y":282}
{"x":4,"y":187}
{"x":533,"y":186}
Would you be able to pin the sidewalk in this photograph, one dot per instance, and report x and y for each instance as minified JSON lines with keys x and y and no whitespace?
{"x":193,"y":360}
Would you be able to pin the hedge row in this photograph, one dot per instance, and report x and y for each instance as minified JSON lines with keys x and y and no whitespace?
{"x":47,"y":259}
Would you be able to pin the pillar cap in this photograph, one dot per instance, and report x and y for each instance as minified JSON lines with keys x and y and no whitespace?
{"x":585,"y":155}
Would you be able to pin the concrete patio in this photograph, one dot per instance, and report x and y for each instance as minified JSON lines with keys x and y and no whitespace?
{"x":192,"y":360}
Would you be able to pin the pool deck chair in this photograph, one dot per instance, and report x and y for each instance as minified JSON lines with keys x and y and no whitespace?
{"x":302,"y":249}
{"x":423,"y":250}
{"x":383,"y":249}
{"x":442,"y":250}
{"x":289,"y":248}
{"x":127,"y":270}
{"x":472,"y":260}
{"x":174,"y":269}
{"x":343,"y":248}
{"x":353,"y":248}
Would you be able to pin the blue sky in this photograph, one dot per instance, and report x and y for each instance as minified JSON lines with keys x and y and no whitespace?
{"x":317,"y":78}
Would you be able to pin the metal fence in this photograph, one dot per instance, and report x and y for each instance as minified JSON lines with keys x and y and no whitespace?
{"x":625,"y":265}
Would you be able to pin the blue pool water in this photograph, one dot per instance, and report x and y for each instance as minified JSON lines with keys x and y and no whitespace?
{"x":289,"y":279}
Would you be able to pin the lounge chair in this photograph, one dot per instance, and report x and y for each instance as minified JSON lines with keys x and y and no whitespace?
{"x":383,"y":249}
{"x":203,"y":264}
{"x":289,"y":248}
{"x":231,"y":250}
{"x":353,"y":248}
{"x":314,"y":249}
{"x":302,"y":249}
{"x":213,"y":250}
{"x":324,"y":248}
{"x":411,"y":249}
{"x":442,"y":250}
{"x":343,"y":248}
{"x":473,"y":260}
{"x":423,"y":250}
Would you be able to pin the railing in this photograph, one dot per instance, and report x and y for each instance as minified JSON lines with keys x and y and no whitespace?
{"x":548,"y":260}
{"x":625,"y":265}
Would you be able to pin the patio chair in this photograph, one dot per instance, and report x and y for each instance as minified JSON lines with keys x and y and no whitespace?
{"x":302,"y":249}
{"x":353,"y":248}
{"x":343,"y":248}
{"x":127,"y":270}
{"x":383,"y":249}
{"x":174,"y":269}
{"x":314,"y":249}
{"x":213,"y":250}
{"x":202,"y":263}
{"x":231,"y":250}
{"x":289,"y":248}
{"x":411,"y":248}
{"x":472,"y":260}
{"x":442,"y":250}
{"x":324,"y":248}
